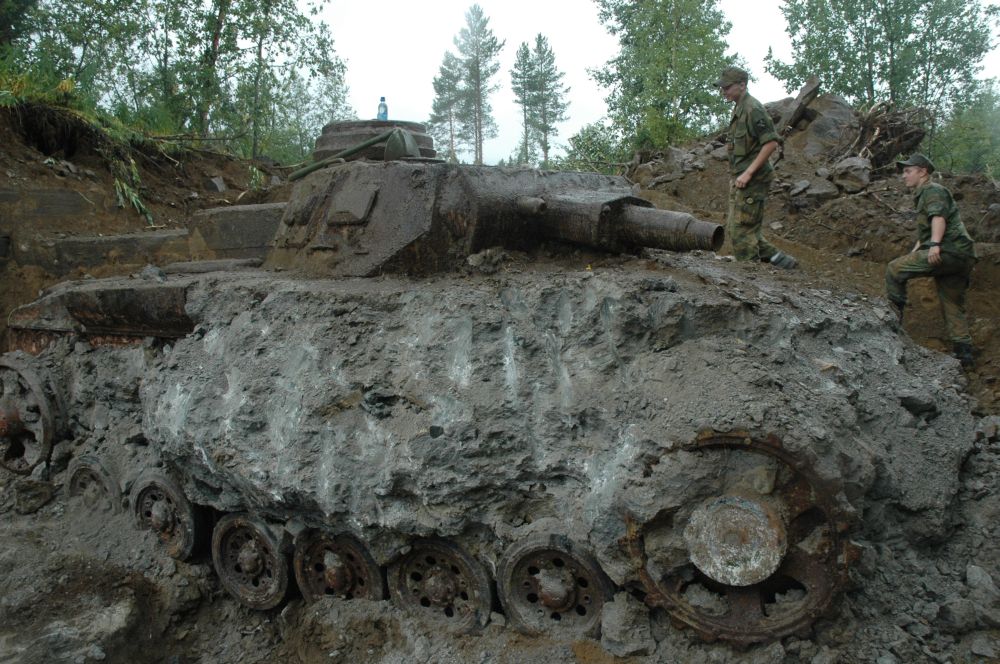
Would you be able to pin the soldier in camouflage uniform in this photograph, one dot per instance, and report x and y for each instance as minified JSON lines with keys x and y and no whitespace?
{"x":944,"y":251}
{"x":750,"y":142}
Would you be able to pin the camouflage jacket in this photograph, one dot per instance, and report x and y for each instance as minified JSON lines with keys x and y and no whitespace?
{"x":933,"y":200}
{"x":749,"y":130}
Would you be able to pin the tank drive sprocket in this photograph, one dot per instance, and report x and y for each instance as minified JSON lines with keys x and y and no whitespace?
{"x":759,"y":557}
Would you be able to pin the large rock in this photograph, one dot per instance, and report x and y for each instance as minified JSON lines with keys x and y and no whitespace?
{"x":833,"y":127}
{"x":626,"y":630}
{"x":821,"y":190}
{"x":670,"y":165}
{"x":852,"y":174}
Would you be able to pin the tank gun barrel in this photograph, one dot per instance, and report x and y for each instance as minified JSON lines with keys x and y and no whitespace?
{"x":617,"y":223}
{"x":668,"y":229}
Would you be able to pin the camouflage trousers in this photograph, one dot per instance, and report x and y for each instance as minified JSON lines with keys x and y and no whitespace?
{"x":746,"y":216}
{"x":951,"y":277}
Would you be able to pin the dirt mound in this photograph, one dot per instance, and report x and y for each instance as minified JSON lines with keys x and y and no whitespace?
{"x":846,"y":226}
{"x":58,"y":175}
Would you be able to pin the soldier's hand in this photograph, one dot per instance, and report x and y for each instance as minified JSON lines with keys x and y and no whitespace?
{"x":742,"y":180}
{"x":934,"y":255}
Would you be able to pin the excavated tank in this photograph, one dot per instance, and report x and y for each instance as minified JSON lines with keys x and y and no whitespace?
{"x":444,"y":388}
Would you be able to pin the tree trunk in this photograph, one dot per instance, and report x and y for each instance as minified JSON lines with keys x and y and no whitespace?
{"x":210,"y":59}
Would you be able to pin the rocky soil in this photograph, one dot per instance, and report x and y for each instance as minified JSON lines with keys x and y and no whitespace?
{"x":812,"y":353}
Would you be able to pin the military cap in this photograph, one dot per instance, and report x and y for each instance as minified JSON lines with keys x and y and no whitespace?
{"x":916,"y":159}
{"x":731,"y":75}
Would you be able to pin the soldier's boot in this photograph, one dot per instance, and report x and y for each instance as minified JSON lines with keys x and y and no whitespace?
{"x":965,"y":354}
{"x":784,"y":261}
{"x":897,"y":308}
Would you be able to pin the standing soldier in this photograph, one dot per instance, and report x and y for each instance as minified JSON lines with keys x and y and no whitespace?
{"x":750,"y":142}
{"x":944,"y":251}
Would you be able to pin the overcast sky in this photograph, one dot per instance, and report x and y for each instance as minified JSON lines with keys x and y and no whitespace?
{"x":394,"y":49}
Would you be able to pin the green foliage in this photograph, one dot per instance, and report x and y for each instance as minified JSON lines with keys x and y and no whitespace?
{"x":599,"y":147}
{"x":969,"y":141}
{"x":257,"y":181}
{"x":215,"y":69}
{"x":523,"y":84}
{"x":15,"y":16}
{"x":477,"y":50}
{"x":445,"y":124}
{"x":549,"y":96}
{"x":670,"y":52}
{"x":538,"y":90}
{"x":922,"y":53}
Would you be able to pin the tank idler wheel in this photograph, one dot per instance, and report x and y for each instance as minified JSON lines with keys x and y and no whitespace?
{"x":547,"y":583}
{"x":336,"y":565}
{"x":438,"y":578}
{"x":761,"y":564}
{"x":159,"y":504}
{"x":27,"y":424}
{"x":250,"y":562}
{"x":91,"y":485}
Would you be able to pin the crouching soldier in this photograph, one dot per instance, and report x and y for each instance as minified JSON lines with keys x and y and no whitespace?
{"x":944,"y":251}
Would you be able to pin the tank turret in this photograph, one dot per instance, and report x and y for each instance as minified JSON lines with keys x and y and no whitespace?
{"x":363,"y":218}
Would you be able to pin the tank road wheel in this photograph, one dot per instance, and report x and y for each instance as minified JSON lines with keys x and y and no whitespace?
{"x":337,"y":565}
{"x":548,"y":584}
{"x":91,"y":485}
{"x":759,"y":555}
{"x":439,"y":578}
{"x":27,"y":424}
{"x":159,"y":504}
{"x":249,"y":561}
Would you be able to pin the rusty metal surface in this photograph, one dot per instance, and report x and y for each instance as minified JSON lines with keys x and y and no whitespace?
{"x":106,"y":313}
{"x":339,"y":136}
{"x":337,"y":565}
{"x":667,"y":229}
{"x":158,"y":504}
{"x":250,"y":562}
{"x":440,"y":580}
{"x":800,"y":589}
{"x":548,"y":584}
{"x":28,"y":415}
{"x":32,"y":342}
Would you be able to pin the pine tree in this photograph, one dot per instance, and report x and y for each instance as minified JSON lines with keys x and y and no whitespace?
{"x":445,"y":123}
{"x":549,"y":95}
{"x":523,"y":82}
{"x":477,"y":52}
